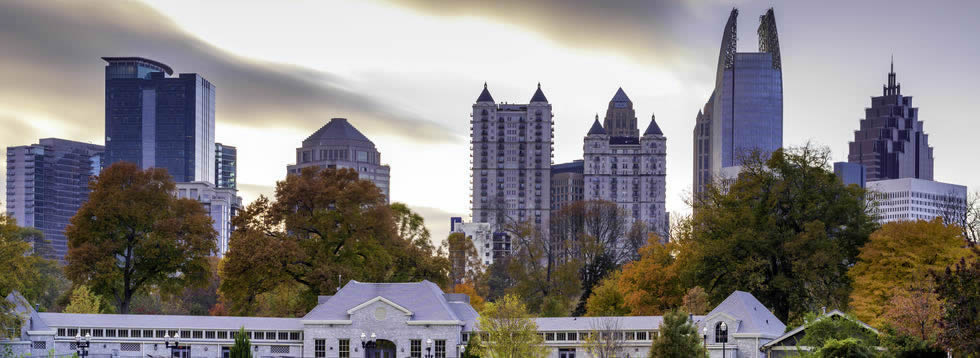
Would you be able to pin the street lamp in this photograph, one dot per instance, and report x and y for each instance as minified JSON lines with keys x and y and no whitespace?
{"x":428,"y":348}
{"x":172,"y":347}
{"x":81,"y":346}
{"x":366,"y":344}
{"x":723,"y":327}
{"x":705,"y":331}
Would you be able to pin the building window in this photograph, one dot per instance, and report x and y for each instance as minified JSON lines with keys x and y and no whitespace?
{"x":320,"y":348}
{"x":344,"y":348}
{"x":440,"y":348}
{"x":721,"y":332}
{"x":416,"y":348}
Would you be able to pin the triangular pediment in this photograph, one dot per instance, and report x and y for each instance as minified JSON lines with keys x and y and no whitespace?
{"x":382,"y":299}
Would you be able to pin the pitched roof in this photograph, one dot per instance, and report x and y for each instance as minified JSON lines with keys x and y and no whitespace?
{"x":168,"y":321}
{"x":338,"y":129}
{"x":596,"y":127}
{"x":620,"y":96}
{"x":538,"y":95}
{"x":834,"y":313}
{"x":423,"y":299}
{"x":485,"y":95}
{"x":754,"y":317}
{"x":653,"y":128}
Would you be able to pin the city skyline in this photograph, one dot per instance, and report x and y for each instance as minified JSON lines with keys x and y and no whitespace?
{"x":269,"y":89}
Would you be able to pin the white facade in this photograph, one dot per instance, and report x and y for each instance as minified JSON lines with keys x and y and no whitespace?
{"x":909,"y":199}
{"x":482,"y":238}
{"x":221,"y":204}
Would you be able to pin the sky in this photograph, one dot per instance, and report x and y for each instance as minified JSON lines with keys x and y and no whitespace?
{"x":406,"y":73}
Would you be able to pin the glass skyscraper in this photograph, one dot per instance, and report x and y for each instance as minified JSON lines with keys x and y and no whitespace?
{"x":745,"y":111}
{"x":46,"y":184}
{"x":155,"y":120}
{"x":226,"y":166}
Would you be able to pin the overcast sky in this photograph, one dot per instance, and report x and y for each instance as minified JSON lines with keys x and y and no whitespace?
{"x":406,"y":72}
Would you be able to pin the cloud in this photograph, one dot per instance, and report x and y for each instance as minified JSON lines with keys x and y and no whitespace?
{"x":51,"y":66}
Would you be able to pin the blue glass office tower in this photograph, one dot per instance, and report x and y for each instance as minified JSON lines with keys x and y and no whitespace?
{"x":155,"y":120}
{"x":745,"y":111}
{"x":226,"y":166}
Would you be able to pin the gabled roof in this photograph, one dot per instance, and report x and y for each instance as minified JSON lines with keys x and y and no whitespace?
{"x":175,"y":321}
{"x":538,"y":95}
{"x":485,"y":95}
{"x":424,"y":300}
{"x":653,"y":128}
{"x":754,"y":318}
{"x":596,"y":127}
{"x":621,"y":96}
{"x":338,"y":129}
{"x":834,"y":313}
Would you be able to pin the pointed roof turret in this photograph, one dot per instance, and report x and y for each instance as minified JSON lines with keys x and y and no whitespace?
{"x":538,"y":95}
{"x":485,"y":95}
{"x":338,"y":129}
{"x":621,"y":96}
{"x":653,"y":128}
{"x":596,"y":127}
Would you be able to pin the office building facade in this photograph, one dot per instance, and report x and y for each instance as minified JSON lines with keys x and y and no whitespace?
{"x":512,"y":147}
{"x":910,"y":199}
{"x":744,"y":113}
{"x":851,"y":173}
{"x":629,"y":171}
{"x":155,"y":120}
{"x":339,"y":145}
{"x":226,"y":166}
{"x":567,"y":184}
{"x":221,"y":204}
{"x":891,"y":142}
{"x":46,"y":185}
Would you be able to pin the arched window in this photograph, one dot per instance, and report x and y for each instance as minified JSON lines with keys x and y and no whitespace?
{"x":721,"y":333}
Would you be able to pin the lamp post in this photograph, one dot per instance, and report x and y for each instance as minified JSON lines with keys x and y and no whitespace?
{"x":428,"y":348}
{"x":705,"y":332}
{"x":723,"y":327}
{"x":172,"y":347}
{"x":366,"y":344}
{"x":81,"y":346}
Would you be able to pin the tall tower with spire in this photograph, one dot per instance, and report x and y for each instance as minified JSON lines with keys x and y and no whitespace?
{"x":511,"y":148}
{"x":891,"y":142}
{"x":629,"y":169}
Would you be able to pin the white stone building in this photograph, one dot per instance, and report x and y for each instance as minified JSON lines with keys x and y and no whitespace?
{"x":909,"y":199}
{"x":222,"y":204}
{"x":630,"y":171}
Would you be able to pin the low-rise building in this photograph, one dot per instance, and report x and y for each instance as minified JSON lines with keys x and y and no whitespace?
{"x":909,"y":199}
{"x":221,"y":204}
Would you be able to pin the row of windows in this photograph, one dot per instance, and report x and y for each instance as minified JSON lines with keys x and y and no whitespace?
{"x":184,"y":334}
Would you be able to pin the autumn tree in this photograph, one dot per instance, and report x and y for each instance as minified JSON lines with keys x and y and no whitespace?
{"x":651,"y":285}
{"x":914,"y":312}
{"x":899,"y":257}
{"x":786,"y":231}
{"x":17,"y":268}
{"x":695,"y":301}
{"x":84,"y":300}
{"x":465,"y":265}
{"x":476,"y":301}
{"x":324,"y":227}
{"x":607,"y":299}
{"x":546,"y":279}
{"x":678,"y":338}
{"x":133,"y":233}
{"x":958,"y":287}
{"x":507,"y":330}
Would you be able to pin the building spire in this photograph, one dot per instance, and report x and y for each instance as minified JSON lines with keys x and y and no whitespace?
{"x":485,"y":95}
{"x":893,"y":87}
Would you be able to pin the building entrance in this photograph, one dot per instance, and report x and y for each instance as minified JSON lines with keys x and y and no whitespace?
{"x":382,"y":349}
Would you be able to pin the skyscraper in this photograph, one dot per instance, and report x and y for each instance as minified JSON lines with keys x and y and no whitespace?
{"x":46,"y":184}
{"x":511,"y":148}
{"x":339,"y":145}
{"x":745,"y":111}
{"x":620,"y":120}
{"x":891,"y":142}
{"x":154,"y":120}
{"x":226,"y":166}
{"x":567,"y":184}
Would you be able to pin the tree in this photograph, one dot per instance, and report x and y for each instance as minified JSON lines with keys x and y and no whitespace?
{"x":605,"y":339}
{"x":508,"y":331}
{"x":83,"y":300}
{"x":898,"y":256}
{"x":242,"y":347}
{"x":696,"y":301}
{"x":958,"y":288}
{"x":822,"y":329}
{"x":546,"y":279}
{"x":466,"y":265}
{"x":678,"y":338}
{"x":785,"y":231}
{"x":476,"y":300}
{"x":848,"y":347}
{"x":324,"y":227}
{"x":651,"y":285}
{"x":17,"y":270}
{"x":914,"y":312}
{"x":899,"y":345}
{"x":133,"y":234}
{"x":607,"y":299}
{"x":966,"y":215}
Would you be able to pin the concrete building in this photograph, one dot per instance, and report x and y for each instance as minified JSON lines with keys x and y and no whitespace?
{"x":47,"y":184}
{"x":629,"y":171}
{"x":483,"y":240}
{"x":372,"y":320}
{"x":891,"y":142}
{"x":511,"y":148}
{"x":222,"y":204}
{"x":909,"y":199}
{"x":154,"y":120}
{"x":567,"y":184}
{"x":339,"y":145}
{"x":745,"y":111}
{"x":851,"y":173}
{"x":226,"y":166}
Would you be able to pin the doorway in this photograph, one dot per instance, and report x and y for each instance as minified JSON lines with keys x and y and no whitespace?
{"x":382,"y":349}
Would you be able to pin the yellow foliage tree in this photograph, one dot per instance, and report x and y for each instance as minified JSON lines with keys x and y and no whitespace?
{"x":651,"y":285}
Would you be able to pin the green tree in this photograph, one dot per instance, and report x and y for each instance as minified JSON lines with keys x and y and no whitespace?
{"x":958,"y":288}
{"x":242,"y":347}
{"x":678,"y":338}
{"x":897,"y":258}
{"x":83,"y":300}
{"x":900,"y":345}
{"x":825,"y":328}
{"x":544,"y":277}
{"x":325,"y":226}
{"x":785,"y":231}
{"x":845,"y":348}
{"x":133,"y":234}
{"x":17,"y":268}
{"x":508,"y":331}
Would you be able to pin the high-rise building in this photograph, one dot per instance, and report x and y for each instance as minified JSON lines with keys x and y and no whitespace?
{"x":339,"y":145}
{"x":221,"y":204}
{"x":620,"y":120}
{"x":226,"y":166}
{"x":851,"y":173}
{"x":47,"y":184}
{"x":629,"y":171}
{"x":511,"y":148}
{"x":909,"y":199}
{"x":567,"y":184}
{"x":155,"y":120}
{"x":891,"y":142}
{"x":745,"y":111}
